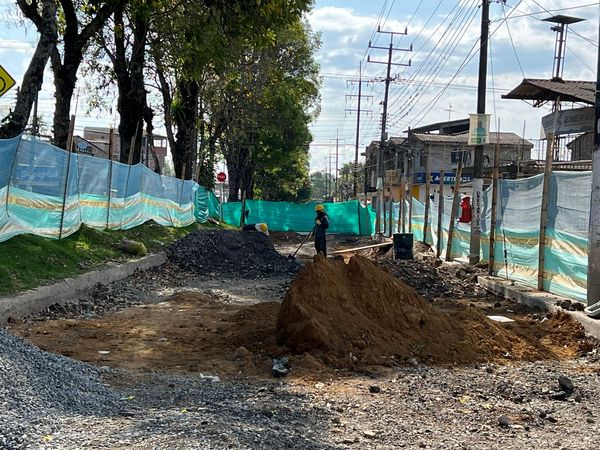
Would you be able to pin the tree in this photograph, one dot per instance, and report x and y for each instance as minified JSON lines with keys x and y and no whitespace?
{"x":43,"y":15}
{"x":80,"y":21}
{"x":321,"y":184}
{"x":345,"y":182}
{"x":275,"y":97}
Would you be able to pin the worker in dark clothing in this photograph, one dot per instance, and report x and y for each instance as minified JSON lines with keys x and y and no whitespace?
{"x":321,"y":225}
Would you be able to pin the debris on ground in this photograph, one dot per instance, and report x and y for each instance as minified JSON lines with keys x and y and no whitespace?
{"x":433,"y":279}
{"x":246,"y":255}
{"x":358,"y":314}
{"x":281,"y":367}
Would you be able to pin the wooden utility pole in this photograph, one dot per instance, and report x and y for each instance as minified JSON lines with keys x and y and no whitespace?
{"x":455,"y":199}
{"x":359,"y":97}
{"x":410,"y":195}
{"x":427,"y":195}
{"x":388,"y":79}
{"x":496,"y":176}
{"x":475,"y":243}
{"x":593,"y":279}
{"x":440,"y":215}
{"x":110,"y":174}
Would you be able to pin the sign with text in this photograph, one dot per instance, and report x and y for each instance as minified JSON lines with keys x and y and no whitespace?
{"x":569,"y":121}
{"x":38,"y":174}
{"x":479,"y":129}
{"x":434,"y":178}
{"x":6,"y":81}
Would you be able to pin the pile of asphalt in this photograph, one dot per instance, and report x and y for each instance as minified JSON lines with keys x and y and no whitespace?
{"x":244,"y":254}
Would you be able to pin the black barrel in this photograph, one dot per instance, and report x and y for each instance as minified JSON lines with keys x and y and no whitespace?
{"x":403,"y":245}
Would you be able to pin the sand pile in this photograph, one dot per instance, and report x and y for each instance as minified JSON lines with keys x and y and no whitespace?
{"x":230,"y":253}
{"x":356,"y":313}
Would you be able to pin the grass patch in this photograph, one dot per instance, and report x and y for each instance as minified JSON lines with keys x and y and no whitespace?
{"x":29,"y":261}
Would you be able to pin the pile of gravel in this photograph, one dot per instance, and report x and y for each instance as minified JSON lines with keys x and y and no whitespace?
{"x":230,"y":253}
{"x":36,"y":386}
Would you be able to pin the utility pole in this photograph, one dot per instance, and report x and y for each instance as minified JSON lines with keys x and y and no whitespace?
{"x":388,"y":80}
{"x":475,"y":244}
{"x":360,"y":96}
{"x":449,"y":111}
{"x":337,"y":157}
{"x":593,"y":275}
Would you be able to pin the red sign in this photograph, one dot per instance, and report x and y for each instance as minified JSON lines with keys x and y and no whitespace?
{"x":221,"y":177}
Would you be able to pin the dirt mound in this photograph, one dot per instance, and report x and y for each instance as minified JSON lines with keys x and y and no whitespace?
{"x":242,"y":254}
{"x":358,"y":314}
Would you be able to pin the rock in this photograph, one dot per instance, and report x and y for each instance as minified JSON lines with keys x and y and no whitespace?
{"x":564,"y":304}
{"x":133,"y":247}
{"x":577,"y":306}
{"x":489,"y":369}
{"x":560,"y":395}
{"x":566,"y":384}
{"x":319,"y":385}
{"x":504,"y":421}
{"x":241,"y":353}
{"x":374,"y":389}
{"x":369,"y":434}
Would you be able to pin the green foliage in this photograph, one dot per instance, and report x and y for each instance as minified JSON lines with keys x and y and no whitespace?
{"x":28,"y":261}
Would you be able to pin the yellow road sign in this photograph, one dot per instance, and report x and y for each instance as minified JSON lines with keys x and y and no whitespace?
{"x":6,"y":81}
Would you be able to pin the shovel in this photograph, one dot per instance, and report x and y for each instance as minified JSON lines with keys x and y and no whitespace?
{"x":292,"y":256}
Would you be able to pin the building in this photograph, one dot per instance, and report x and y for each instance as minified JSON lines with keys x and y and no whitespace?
{"x":437,"y":152}
{"x":95,"y":141}
{"x":438,"y":147}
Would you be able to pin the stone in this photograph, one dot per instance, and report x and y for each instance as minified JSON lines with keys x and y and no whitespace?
{"x":566,"y":384}
{"x":374,"y":389}
{"x":504,"y":421}
{"x":560,"y":395}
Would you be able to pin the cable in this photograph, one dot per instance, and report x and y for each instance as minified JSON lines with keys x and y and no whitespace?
{"x":467,"y":59}
{"x":511,"y":40}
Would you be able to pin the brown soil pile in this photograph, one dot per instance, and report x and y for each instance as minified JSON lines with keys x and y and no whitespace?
{"x":358,"y":314}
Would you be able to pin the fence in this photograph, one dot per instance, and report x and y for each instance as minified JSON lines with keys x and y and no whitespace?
{"x":49,"y":192}
{"x":350,"y":217}
{"x":517,"y":227}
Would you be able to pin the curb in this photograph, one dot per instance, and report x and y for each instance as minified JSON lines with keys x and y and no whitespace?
{"x":65,"y":291}
{"x":533,"y":298}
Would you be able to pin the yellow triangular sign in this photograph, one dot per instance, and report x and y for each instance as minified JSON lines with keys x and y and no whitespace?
{"x":6,"y":81}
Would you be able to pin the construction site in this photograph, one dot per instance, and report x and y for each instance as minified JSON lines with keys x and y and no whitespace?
{"x":241,"y":240}
{"x":233,"y":343}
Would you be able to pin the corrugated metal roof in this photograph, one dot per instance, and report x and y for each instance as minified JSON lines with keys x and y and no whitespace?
{"x":549,"y":90}
{"x":458,"y":139}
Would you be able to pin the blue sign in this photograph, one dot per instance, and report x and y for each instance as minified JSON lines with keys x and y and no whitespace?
{"x":434,"y":178}
{"x":38,"y":174}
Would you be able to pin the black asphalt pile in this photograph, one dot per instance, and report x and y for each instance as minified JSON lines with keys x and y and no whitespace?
{"x":230,"y":253}
{"x":433,"y":279}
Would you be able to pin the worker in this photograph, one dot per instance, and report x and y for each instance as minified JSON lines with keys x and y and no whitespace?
{"x":260,"y":227}
{"x":321,"y":225}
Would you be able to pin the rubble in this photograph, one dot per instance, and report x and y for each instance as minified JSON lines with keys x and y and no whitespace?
{"x":231,"y":253}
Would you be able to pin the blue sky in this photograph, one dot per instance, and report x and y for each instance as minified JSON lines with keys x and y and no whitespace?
{"x":443,"y":34}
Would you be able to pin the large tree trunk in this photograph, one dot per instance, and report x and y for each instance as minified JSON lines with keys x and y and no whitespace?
{"x":185,"y":119}
{"x":65,"y":77}
{"x":130,"y":81}
{"x":16,"y":122}
{"x":65,"y":69}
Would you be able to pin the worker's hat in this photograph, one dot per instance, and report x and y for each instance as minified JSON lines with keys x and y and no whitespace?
{"x":319,"y":208}
{"x":263,"y":227}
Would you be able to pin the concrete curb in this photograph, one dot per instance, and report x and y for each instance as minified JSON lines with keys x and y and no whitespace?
{"x":65,"y":291}
{"x":533,"y":298}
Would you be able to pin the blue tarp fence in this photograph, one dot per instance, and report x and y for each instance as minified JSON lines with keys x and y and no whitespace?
{"x":49,"y":192}
{"x":517,"y":227}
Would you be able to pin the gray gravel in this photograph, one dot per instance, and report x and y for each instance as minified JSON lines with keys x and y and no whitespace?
{"x":52,"y":402}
